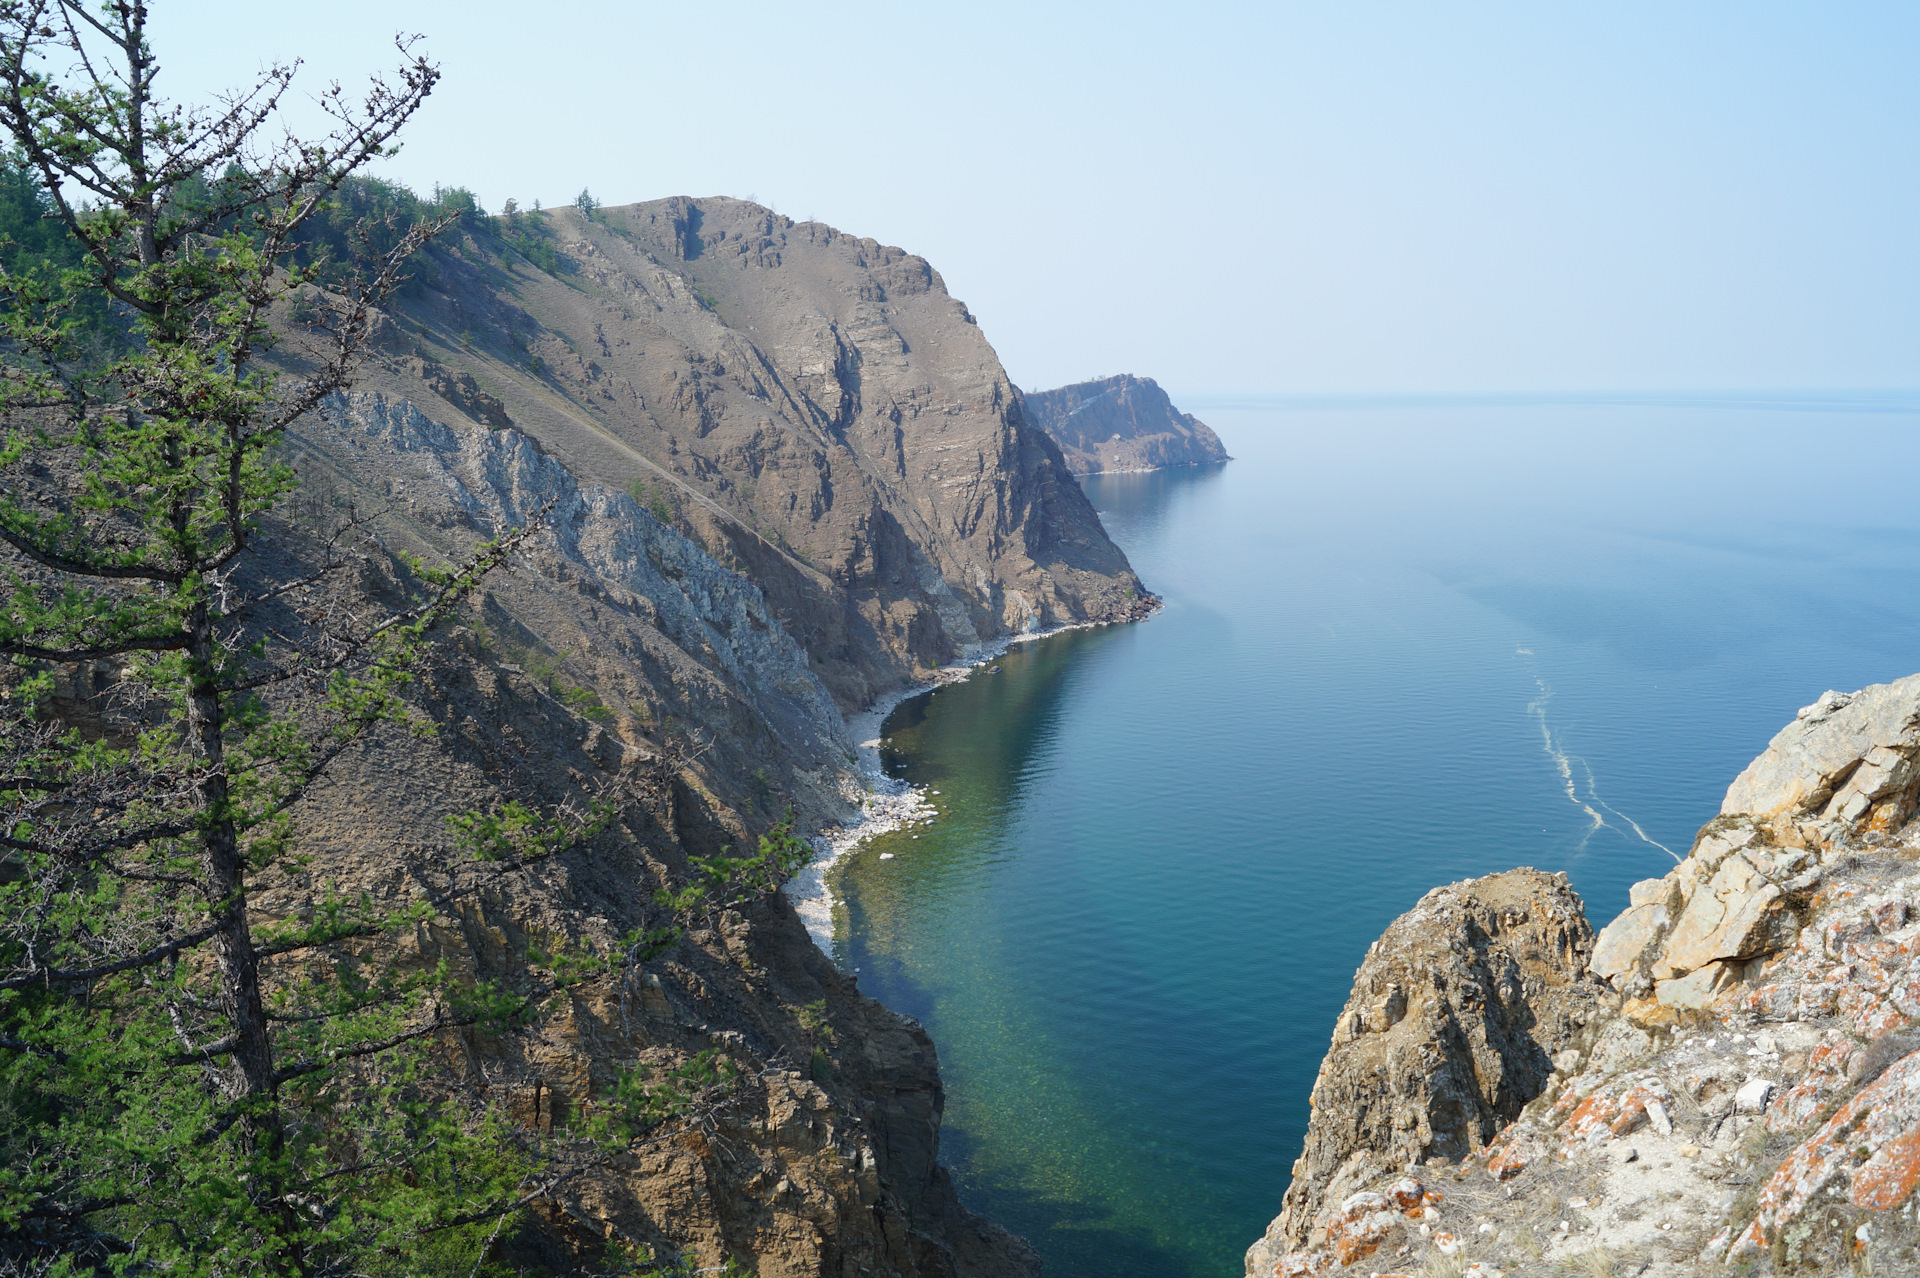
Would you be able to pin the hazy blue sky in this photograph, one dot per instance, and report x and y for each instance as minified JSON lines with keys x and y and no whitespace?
{"x":1234,"y":198}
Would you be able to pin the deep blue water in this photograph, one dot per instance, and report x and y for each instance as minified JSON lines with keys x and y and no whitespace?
{"x":1403,"y":643}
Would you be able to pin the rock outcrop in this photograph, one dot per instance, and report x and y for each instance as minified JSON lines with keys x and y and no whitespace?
{"x":1451,"y":1029}
{"x":1749,"y":1099}
{"x":1121,"y":423}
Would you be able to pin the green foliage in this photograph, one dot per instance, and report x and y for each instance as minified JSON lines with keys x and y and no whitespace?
{"x":544,"y":666}
{"x":36,"y":246}
{"x":372,"y":217}
{"x":813,"y":1019}
{"x":188,"y":1082}
{"x":724,"y":881}
{"x":586,"y":203}
{"x":514,"y":832}
{"x":629,"y":1261}
{"x":585,"y":702}
{"x":642,"y":1100}
{"x":207,"y":1064}
{"x":653,"y":499}
{"x":529,"y":236}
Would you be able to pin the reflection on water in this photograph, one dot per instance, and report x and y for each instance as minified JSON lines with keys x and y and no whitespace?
{"x":1136,"y":508}
{"x":1401,"y":646}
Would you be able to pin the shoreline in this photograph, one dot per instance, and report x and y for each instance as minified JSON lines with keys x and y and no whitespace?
{"x":887,"y":804}
{"x":1148,"y":470}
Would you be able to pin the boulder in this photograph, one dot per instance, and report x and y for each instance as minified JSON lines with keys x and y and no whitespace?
{"x":1869,"y":1151}
{"x":1738,"y":915}
{"x":1625,"y":940}
{"x":1696,"y":989}
{"x":1848,"y":757}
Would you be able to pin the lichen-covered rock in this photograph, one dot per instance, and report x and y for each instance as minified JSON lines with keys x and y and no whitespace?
{"x":1738,"y":895}
{"x":1359,"y":1227}
{"x":1454,"y":1018}
{"x":1754,"y":1099}
{"x":1870,"y":1147}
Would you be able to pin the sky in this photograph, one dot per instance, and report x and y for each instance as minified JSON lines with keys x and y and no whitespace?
{"x":1276,"y":198}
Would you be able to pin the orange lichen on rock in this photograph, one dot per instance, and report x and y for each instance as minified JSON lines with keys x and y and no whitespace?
{"x":1826,"y":1074}
{"x":1510,"y":1153}
{"x":1884,"y":1180}
{"x":1873,"y":1140}
{"x":1615,"y":1108}
{"x":1302,"y":1264}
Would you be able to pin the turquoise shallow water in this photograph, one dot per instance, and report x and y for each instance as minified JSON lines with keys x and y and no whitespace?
{"x":1403,"y":644}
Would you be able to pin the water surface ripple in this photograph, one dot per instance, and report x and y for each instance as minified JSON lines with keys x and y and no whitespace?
{"x":1402,"y":644}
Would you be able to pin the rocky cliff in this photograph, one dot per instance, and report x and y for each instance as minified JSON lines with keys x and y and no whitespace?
{"x":1744,"y":1093}
{"x":1121,"y":423}
{"x":812,"y":407}
{"x":1451,"y":1029}
{"x":777,"y":470}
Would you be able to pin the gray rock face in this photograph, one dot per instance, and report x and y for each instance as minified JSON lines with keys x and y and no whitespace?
{"x":608,"y":598}
{"x":1842,"y":771}
{"x":1121,"y":423}
{"x":812,"y":407}
{"x":1451,"y":1028}
{"x":1753,"y":1102}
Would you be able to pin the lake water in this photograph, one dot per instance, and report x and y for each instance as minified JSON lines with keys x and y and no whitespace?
{"x":1403,"y":644}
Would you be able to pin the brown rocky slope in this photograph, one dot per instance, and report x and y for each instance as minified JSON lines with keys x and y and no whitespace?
{"x":813,"y":407}
{"x":1745,"y":1097}
{"x":616,"y":653}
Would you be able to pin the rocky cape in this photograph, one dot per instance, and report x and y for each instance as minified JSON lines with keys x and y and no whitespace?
{"x":778,"y":472}
{"x":1725,"y":1080}
{"x":1121,"y":423}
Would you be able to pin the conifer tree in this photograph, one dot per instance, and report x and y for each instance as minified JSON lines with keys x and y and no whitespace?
{"x":189,"y":1083}
{"x":185,"y":1085}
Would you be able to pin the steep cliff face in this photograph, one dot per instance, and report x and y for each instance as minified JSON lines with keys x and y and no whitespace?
{"x":1121,"y":423}
{"x":811,"y":406}
{"x":1747,"y":1097}
{"x":620,"y":616}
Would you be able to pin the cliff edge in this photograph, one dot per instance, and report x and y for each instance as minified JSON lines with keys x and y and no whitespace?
{"x":1744,"y":1095}
{"x":1451,"y":1029}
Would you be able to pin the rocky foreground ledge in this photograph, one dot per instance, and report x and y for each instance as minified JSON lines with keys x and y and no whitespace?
{"x":1725,"y":1079}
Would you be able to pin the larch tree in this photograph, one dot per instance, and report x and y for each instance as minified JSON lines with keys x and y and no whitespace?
{"x":184,"y":1086}
{"x":188,"y":1084}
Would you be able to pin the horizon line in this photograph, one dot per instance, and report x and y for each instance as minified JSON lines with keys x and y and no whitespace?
{"x":1855,"y":399}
